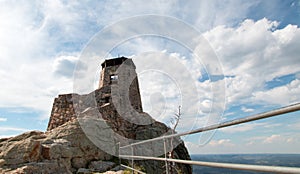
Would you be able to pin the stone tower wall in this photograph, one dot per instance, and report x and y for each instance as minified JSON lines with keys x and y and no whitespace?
{"x":62,"y":111}
{"x":134,"y":95}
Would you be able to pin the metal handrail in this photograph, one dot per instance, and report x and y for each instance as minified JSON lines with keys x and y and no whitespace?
{"x":275,"y":112}
{"x":257,"y":168}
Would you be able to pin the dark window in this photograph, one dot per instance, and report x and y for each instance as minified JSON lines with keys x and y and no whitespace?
{"x":106,"y":100}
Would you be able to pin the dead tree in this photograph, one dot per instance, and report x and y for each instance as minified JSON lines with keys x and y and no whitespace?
{"x":174,"y":121}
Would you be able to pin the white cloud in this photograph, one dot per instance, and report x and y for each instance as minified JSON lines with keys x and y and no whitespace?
{"x":172,"y":87}
{"x":20,"y":35}
{"x":272,"y":139}
{"x":244,"y":51}
{"x":222,"y":142}
{"x":28,"y":44}
{"x":254,"y":53}
{"x":64,"y":66}
{"x":164,"y":88}
{"x":244,"y":109}
{"x":3,"y":119}
{"x":32,"y":87}
{"x":276,"y":143}
{"x":222,"y":146}
{"x":281,"y":95}
{"x":214,"y":13}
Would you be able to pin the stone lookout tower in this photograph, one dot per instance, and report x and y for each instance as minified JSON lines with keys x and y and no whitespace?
{"x":120,"y":76}
{"x":118,"y":88}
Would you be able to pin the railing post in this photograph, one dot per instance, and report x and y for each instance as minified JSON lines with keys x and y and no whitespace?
{"x":118,"y":151}
{"x":166,"y":162}
{"x":132,"y":158}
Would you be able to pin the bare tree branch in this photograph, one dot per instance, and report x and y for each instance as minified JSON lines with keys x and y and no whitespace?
{"x":174,"y":121}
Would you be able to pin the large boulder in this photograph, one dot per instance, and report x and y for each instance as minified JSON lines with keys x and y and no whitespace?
{"x":64,"y":149}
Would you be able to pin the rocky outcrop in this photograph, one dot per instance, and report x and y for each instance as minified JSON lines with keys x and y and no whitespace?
{"x":65,"y":149}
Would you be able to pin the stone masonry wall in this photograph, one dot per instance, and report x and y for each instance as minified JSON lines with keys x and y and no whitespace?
{"x":62,"y":111}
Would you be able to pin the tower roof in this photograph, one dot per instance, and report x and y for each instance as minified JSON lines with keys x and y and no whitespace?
{"x":114,"y":61}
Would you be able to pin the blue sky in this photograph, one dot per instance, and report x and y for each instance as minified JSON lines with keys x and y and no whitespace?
{"x":256,"y":42}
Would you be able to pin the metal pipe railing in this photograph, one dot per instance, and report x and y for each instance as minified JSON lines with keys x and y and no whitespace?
{"x":276,"y":112}
{"x":257,"y":168}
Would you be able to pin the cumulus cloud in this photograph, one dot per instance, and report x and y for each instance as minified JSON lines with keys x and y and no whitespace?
{"x":167,"y":86}
{"x":32,"y":87}
{"x":29,"y":41}
{"x":282,"y":143}
{"x":251,"y":53}
{"x":221,"y":146}
{"x":222,"y":142}
{"x":272,"y":139}
{"x":244,"y":109}
{"x":164,"y":88}
{"x":3,"y":119}
{"x":212,"y":13}
{"x":254,"y":53}
{"x":65,"y":66}
{"x":281,"y":95}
